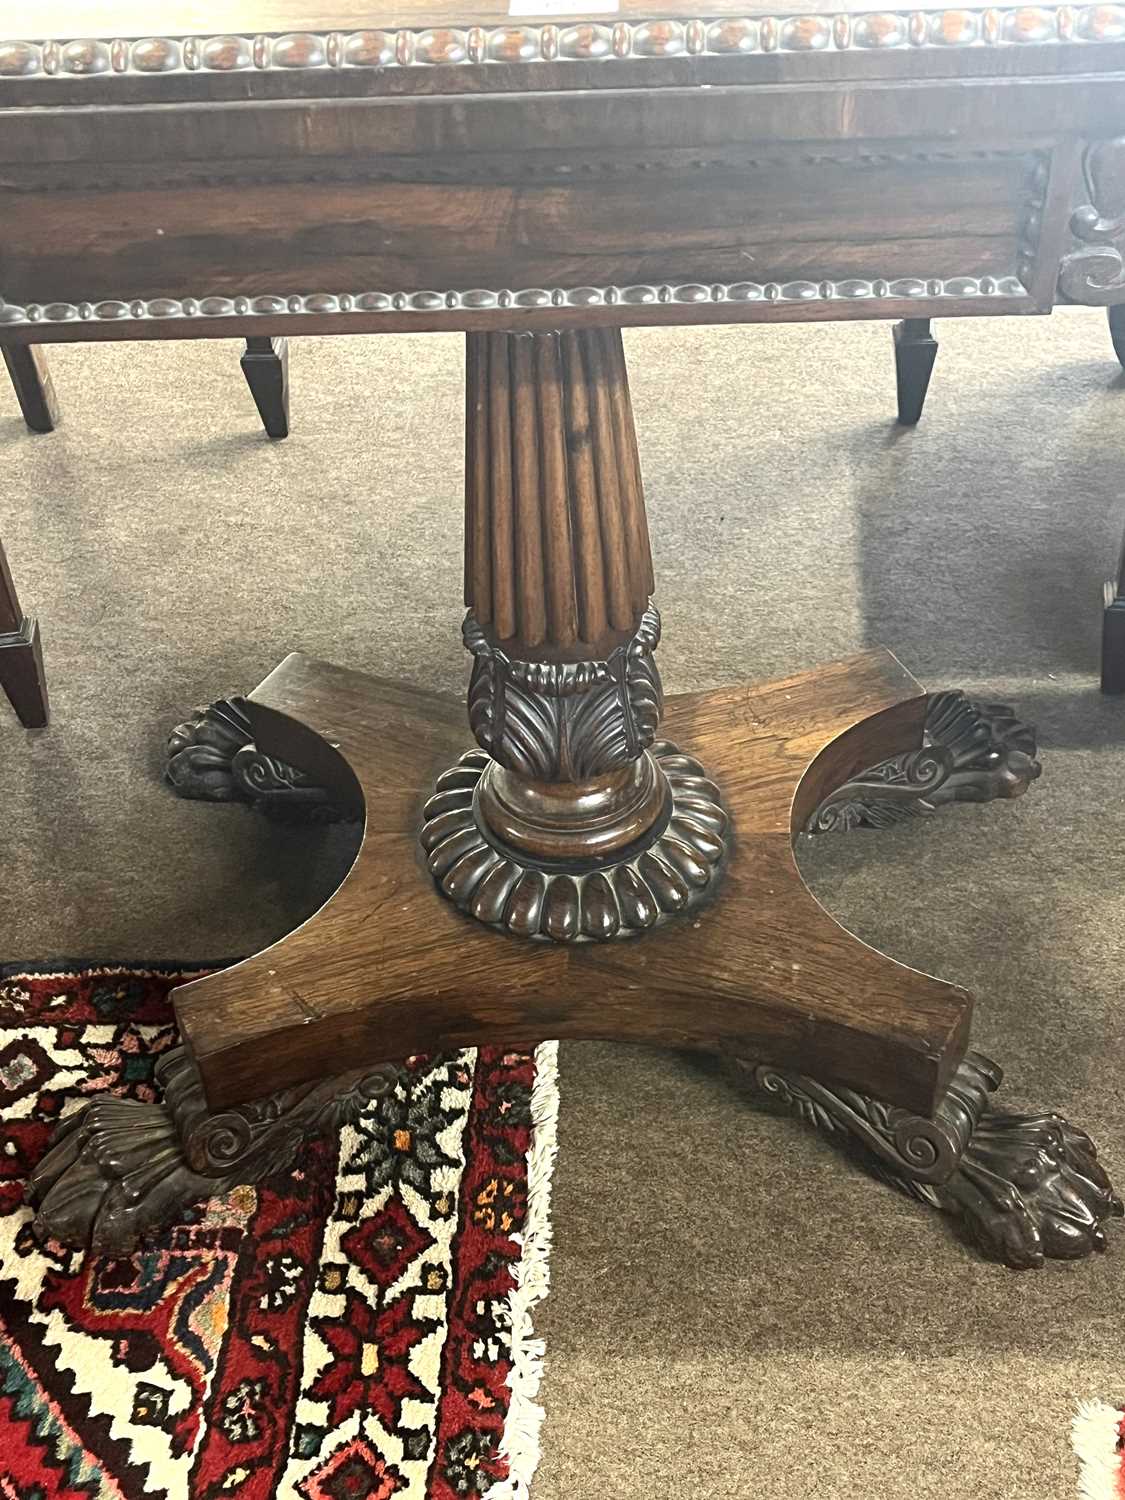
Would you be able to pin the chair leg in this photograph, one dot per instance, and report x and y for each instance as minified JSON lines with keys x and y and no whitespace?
{"x":266,"y":367}
{"x":21,"y":656}
{"x":27,"y":365}
{"x":1117,"y":330}
{"x":1113,"y":614}
{"x":1113,"y":639}
{"x":1113,"y":630}
{"x":915,"y":352}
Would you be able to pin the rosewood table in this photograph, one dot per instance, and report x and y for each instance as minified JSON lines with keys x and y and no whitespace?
{"x":539,"y":181}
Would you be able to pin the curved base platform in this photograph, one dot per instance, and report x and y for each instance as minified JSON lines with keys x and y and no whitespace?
{"x":389,"y":968}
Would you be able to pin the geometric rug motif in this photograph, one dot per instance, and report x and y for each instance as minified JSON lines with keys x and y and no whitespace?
{"x":356,"y":1328}
{"x":1098,"y":1440}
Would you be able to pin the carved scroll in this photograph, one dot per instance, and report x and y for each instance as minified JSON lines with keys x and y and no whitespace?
{"x":1095,"y":275}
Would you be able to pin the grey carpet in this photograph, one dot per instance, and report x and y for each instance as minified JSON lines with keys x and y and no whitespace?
{"x":734,"y":1312}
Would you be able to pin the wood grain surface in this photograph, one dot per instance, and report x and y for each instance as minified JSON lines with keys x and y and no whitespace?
{"x":471,"y":174}
{"x":557,"y":548}
{"x":388,"y":967}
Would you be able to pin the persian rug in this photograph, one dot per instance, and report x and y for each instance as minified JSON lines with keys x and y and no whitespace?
{"x":1098,"y":1439}
{"x":357,"y":1328}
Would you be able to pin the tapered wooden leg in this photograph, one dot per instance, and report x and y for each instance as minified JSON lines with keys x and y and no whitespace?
{"x":1117,"y":330}
{"x":915,"y":352}
{"x":27,"y":366}
{"x":1113,"y":630}
{"x":1113,"y":612}
{"x":266,"y":367}
{"x":21,"y":656}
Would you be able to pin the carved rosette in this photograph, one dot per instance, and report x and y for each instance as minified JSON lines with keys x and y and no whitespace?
{"x":970,"y":752}
{"x":673,"y":869}
{"x":1026,"y":1187}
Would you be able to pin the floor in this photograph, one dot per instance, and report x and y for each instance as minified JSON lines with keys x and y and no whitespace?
{"x":734,"y":1312}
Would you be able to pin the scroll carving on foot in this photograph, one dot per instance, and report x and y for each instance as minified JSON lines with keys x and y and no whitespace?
{"x":970,"y":752}
{"x":1026,"y":1188}
{"x":212,"y":757}
{"x":118,"y":1171}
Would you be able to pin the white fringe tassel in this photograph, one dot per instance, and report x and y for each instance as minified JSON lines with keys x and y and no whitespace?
{"x":1094,"y":1436}
{"x":520,"y":1443}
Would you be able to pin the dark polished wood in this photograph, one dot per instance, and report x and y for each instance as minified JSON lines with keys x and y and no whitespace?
{"x":1116,"y":320}
{"x":388,"y":961}
{"x":266,"y":170}
{"x":579,"y":825}
{"x":265,"y":364}
{"x":21,"y":655}
{"x":1113,"y":608}
{"x":387,"y":967}
{"x":435,"y":167}
{"x":915,"y":352}
{"x":1113,"y":633}
{"x":31,"y":380}
{"x":558,"y":563}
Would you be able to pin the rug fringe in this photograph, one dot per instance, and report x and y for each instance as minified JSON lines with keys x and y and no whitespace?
{"x":520,"y":1443}
{"x":1095,"y":1435}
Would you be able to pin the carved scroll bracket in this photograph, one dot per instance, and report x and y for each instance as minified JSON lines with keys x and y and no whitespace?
{"x":1095,"y":275}
{"x":970,"y":752}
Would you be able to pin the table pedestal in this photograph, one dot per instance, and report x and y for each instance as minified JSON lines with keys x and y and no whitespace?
{"x":602,"y":866}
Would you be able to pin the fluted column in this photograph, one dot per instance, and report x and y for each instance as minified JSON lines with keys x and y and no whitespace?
{"x":560,"y":827}
{"x":558,"y":565}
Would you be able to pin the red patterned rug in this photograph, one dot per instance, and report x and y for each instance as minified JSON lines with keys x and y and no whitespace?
{"x":1098,"y":1439}
{"x":356,"y":1329}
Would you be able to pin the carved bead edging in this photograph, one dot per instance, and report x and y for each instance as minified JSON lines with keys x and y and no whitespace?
{"x":583,"y":41}
{"x":505,"y":301}
{"x":676,"y":872}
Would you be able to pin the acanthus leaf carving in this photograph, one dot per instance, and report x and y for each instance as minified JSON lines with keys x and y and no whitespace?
{"x":565,"y":721}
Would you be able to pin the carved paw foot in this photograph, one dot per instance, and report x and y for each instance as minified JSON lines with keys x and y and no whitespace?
{"x":970,"y":752}
{"x":115,"y":1173}
{"x":212,"y":757}
{"x":1029,"y":1188}
{"x":117,"y":1170}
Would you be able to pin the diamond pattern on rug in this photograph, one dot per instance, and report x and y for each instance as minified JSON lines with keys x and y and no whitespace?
{"x":343,"y":1332}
